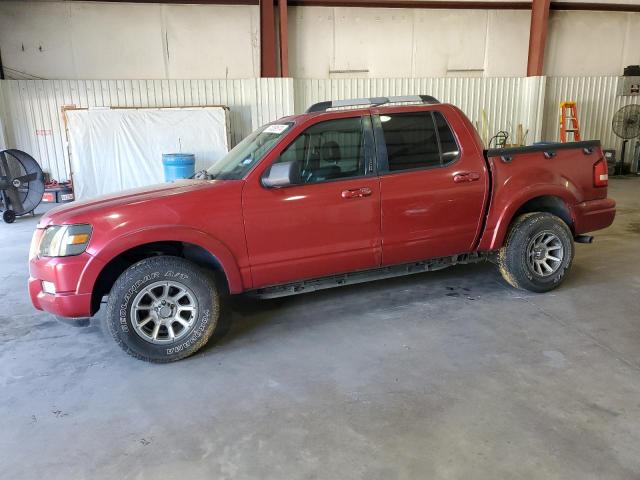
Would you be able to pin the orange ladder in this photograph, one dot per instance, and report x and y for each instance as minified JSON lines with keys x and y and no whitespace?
{"x":569,"y":123}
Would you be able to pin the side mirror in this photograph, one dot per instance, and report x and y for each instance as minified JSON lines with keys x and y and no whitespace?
{"x":280,"y":175}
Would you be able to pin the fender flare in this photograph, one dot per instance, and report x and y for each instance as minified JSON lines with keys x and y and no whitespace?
{"x":498,"y":223}
{"x":162,"y":233}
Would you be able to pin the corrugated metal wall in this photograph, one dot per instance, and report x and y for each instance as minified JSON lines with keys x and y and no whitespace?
{"x":492,"y":104}
{"x":31,"y":109}
{"x":33,"y":120}
{"x":597,"y":102}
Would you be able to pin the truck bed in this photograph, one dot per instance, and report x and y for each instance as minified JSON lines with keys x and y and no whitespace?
{"x":556,"y":174}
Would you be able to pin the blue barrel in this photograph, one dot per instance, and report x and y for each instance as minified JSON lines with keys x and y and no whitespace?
{"x":178,"y":165}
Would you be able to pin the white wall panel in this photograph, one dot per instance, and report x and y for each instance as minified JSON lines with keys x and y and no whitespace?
{"x":343,"y":42}
{"x":597,"y":102}
{"x":591,"y":43}
{"x":33,"y":108}
{"x":212,"y":41}
{"x":104,"y":40}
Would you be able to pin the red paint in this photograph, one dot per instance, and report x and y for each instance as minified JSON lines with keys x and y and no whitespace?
{"x":284,"y":37}
{"x":568,"y":176}
{"x":268,"y":64}
{"x":265,"y":236}
{"x":538,"y":37}
{"x":426,"y":213}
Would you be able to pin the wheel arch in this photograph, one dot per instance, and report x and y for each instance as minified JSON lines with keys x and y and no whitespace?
{"x":556,"y":202}
{"x":121,"y":253}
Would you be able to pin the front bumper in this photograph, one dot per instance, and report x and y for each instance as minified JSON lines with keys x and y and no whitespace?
{"x":594,"y":215}
{"x":66,"y":274}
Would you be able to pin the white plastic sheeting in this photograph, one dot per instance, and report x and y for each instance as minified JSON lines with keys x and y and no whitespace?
{"x":116,"y":149}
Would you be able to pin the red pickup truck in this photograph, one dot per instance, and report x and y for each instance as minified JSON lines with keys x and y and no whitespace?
{"x":349,"y":191}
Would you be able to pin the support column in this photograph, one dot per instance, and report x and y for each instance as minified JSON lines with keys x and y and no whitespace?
{"x":538,"y":37}
{"x":268,"y":64}
{"x":284,"y":38}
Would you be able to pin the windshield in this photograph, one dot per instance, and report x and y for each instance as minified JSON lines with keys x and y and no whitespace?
{"x":241,"y":158}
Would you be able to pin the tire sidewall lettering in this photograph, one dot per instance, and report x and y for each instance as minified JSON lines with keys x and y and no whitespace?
{"x":133,"y":290}
{"x":160,"y":269}
{"x":177,"y":275}
{"x":203,"y":322}
{"x":125,"y":306}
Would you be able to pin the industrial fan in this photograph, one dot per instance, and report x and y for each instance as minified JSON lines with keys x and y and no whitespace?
{"x":21,"y":184}
{"x":626,"y":125}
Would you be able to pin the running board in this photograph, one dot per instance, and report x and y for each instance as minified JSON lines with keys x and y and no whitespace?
{"x":333,"y":281}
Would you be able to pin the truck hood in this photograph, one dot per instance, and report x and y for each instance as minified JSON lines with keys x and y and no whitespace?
{"x":85,"y":211}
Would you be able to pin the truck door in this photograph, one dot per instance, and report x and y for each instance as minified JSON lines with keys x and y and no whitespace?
{"x":328,"y":220}
{"x":433,"y":184}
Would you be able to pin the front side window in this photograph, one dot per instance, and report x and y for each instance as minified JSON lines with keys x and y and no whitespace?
{"x":417,"y":140}
{"x":241,"y":158}
{"x":327,"y":151}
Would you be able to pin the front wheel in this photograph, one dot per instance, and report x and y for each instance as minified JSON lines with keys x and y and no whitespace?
{"x":163,"y":309}
{"x":538,"y":252}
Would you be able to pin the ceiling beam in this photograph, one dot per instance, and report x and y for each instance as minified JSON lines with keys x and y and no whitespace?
{"x":180,"y":2}
{"x":434,"y":4}
{"x":597,"y":7}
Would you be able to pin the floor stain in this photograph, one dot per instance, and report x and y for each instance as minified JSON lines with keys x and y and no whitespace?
{"x":633,"y":227}
{"x":601,"y":409}
{"x":555,"y":359}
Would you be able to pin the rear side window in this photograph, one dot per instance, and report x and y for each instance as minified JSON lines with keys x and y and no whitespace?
{"x":448,"y":146}
{"x":418,"y":140}
{"x":411,"y":140}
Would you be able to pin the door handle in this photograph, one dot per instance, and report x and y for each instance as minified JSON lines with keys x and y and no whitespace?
{"x":357,"y":192}
{"x":466,"y":177}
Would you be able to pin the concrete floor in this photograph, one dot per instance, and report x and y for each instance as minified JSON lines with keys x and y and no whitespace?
{"x":449,"y":374}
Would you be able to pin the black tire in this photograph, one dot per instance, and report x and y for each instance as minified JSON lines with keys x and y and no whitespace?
{"x":514,"y":259}
{"x":142,"y":276}
{"x":9,"y":216}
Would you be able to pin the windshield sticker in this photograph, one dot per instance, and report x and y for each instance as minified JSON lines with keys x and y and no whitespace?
{"x":276,"y":128}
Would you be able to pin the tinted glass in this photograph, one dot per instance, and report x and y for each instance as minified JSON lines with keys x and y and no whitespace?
{"x":235,"y":164}
{"x":411,"y":140}
{"x":448,"y":143}
{"x":328,"y":151}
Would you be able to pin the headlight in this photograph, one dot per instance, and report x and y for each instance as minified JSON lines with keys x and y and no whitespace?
{"x":64,"y":240}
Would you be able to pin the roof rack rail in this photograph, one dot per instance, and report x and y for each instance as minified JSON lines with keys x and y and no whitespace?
{"x":373,"y":101}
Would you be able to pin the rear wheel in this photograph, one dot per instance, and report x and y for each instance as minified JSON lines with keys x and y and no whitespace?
{"x":538,"y":252}
{"x":163,"y":309}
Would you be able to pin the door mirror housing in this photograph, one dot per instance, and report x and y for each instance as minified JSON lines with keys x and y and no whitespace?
{"x":281,"y":174}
